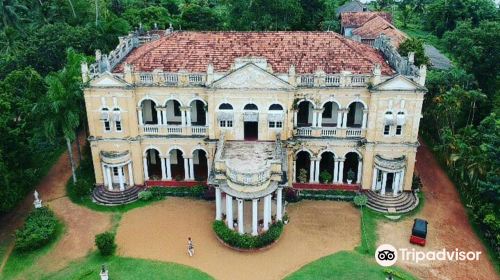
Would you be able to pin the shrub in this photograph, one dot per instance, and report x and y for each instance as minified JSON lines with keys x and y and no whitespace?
{"x":416,"y":184}
{"x":246,"y":241}
{"x":39,"y":228}
{"x":145,"y":195}
{"x":82,"y":187}
{"x":160,"y":192}
{"x":105,"y":242}
{"x":302,"y":176}
{"x":325,"y":176}
{"x":291,"y":195}
{"x":340,"y":195}
{"x":360,"y":200}
{"x":351,"y":175}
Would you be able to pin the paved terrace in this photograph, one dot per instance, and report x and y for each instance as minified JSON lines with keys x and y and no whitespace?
{"x":248,"y":156}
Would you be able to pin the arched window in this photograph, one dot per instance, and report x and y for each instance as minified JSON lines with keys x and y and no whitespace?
{"x":225,"y":106}
{"x":388,"y":122}
{"x":106,"y":119}
{"x":251,"y":107}
{"x":117,"y":119}
{"x":275,"y":116}
{"x":275,"y":107}
{"x":225,"y":116}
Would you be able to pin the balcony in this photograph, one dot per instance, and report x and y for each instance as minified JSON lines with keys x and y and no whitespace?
{"x":164,"y":130}
{"x":330,"y":132}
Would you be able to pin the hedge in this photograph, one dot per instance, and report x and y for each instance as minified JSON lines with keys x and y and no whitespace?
{"x":105,"y":242}
{"x":197,"y":192}
{"x":39,"y":228}
{"x":328,"y":195}
{"x":247,"y":241}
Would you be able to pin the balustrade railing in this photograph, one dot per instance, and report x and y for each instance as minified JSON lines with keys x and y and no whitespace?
{"x":329,"y":131}
{"x":353,"y":132}
{"x":199,"y":130}
{"x":304,"y":131}
{"x":249,"y":178}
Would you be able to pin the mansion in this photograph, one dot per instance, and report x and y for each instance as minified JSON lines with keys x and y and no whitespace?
{"x":251,"y":114}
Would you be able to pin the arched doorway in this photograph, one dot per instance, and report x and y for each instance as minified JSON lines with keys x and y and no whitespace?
{"x":198,"y":113}
{"x":355,"y":115}
{"x":329,"y":117}
{"x":351,"y":166}
{"x":305,"y":114}
{"x":177,"y":165}
{"x":153,"y":161}
{"x":173,"y":112}
{"x":200,"y":165}
{"x":326,"y":167}
{"x":302,"y":167}
{"x":149,"y":112}
{"x":251,"y":122}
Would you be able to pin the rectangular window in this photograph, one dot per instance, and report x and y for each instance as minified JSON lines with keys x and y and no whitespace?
{"x":279,"y":124}
{"x":272,"y":124}
{"x":229,"y":123}
{"x":107,"y":126}
{"x":387,"y":129}
{"x":222,"y":123}
{"x":226,"y":123}
{"x":399,"y":129}
{"x":118,"y":125}
{"x":115,"y":171}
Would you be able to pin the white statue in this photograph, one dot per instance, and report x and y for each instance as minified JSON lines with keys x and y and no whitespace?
{"x":104,"y":273}
{"x":38,"y":201}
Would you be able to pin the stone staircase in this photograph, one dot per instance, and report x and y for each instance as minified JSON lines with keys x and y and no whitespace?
{"x":103,"y":196}
{"x":402,"y":203}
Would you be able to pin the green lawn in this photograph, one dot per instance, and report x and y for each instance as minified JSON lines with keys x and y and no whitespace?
{"x":126,"y":269}
{"x":344,"y":265}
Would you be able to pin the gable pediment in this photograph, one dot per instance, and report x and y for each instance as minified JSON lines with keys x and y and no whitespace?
{"x":399,"y":83}
{"x":107,"y":80}
{"x":250,"y":76}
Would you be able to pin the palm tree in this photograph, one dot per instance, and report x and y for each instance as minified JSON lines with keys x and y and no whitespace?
{"x":9,"y":13}
{"x":62,"y":104}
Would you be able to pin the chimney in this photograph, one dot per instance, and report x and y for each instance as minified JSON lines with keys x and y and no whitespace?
{"x":127,"y":73}
{"x":292,"y":79}
{"x":377,"y":73}
{"x":210,"y":73}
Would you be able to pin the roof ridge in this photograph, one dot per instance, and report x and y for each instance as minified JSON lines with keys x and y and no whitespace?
{"x":348,"y":42}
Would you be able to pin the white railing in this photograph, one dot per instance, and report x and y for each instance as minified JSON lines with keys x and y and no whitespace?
{"x":358,"y":80}
{"x":249,"y":178}
{"x":304,"y":131}
{"x":332,"y":81}
{"x":171,"y":79}
{"x":329,"y":131}
{"x":195,"y":79}
{"x":146,"y":78}
{"x":199,"y":130}
{"x":353,"y":132}
{"x":151,"y":129}
{"x":174,"y":129}
{"x":307,"y":80}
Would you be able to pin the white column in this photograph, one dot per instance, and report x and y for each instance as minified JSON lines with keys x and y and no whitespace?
{"x":104,"y":175}
{"x":279,"y":206}
{"x":339,"y":118}
{"x":164,"y":113}
{"x":336,"y":170}
{"x":229,"y":211}
{"x":145,"y":163}
{"x":314,"y":120}
{"x":110,"y":180}
{"x":183,"y":117}
{"x":241,"y":223}
{"x":186,"y":169}
{"x":130,"y":174}
{"x":139,"y":116}
{"x":188,"y":116}
{"x":120,"y":178}
{"x":384,"y":182}
{"x":294,"y":178}
{"x":218,"y":198}
{"x":267,"y":211}
{"x":341,"y":171}
{"x":402,"y":180}
{"x":191,"y":169}
{"x":360,"y":171}
{"x":158,"y":115}
{"x":344,"y":118}
{"x":295,"y":118}
{"x":365,"y":117}
{"x":320,"y":118}
{"x":316,"y":171}
{"x":163,"y":169}
{"x":168,"y":167}
{"x":207,"y":121}
{"x":255,"y":216}
{"x":311,"y":171}
{"x":395,"y":183}
{"x":374,"y":179}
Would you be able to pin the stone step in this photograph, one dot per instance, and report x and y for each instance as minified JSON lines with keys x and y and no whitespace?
{"x":404,"y":202}
{"x":111,"y":195}
{"x":102,"y":196}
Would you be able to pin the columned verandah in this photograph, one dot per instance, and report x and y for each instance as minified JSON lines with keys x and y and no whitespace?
{"x":388,"y":175}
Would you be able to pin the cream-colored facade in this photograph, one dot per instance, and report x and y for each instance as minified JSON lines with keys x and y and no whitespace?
{"x":360,"y":128}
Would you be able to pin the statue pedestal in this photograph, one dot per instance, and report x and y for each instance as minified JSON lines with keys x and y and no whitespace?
{"x":38,"y":204}
{"x":104,"y":275}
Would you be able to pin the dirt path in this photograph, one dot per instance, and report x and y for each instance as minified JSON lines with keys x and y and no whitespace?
{"x":448,"y":228}
{"x":81,"y":223}
{"x":160,"y":231}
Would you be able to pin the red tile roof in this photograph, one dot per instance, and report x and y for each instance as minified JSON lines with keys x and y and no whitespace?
{"x":308,"y":51}
{"x":376,"y":26}
{"x":356,"y":19}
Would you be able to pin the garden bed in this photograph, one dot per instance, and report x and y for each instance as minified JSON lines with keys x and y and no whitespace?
{"x":246,"y":242}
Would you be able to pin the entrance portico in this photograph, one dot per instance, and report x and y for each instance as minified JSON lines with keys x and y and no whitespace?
{"x":117,"y":170}
{"x":388,"y":175}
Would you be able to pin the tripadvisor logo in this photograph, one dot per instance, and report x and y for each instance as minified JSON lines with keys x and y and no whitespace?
{"x":387,"y":255}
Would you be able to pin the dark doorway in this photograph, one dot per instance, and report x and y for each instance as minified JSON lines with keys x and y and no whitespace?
{"x":303,"y":114}
{"x":302,"y":167}
{"x":388,"y":185}
{"x":200,"y":114}
{"x":251,"y":130}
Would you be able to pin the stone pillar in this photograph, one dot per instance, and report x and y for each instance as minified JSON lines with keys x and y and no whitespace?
{"x":315,"y":119}
{"x":395,"y":184}
{"x":255,"y":216}
{"x":365,"y":118}
{"x":186,"y":168}
{"x":294,"y":177}
{"x":402,"y":180}
{"x":145,"y":163}
{"x":295,"y":118}
{"x":110,"y":179}
{"x":360,"y":171}
{"x":344,"y":118}
{"x":341,"y":171}
{"x":183,"y":117}
{"x":130,"y":174}
{"x":188,"y":116}
{"x":374,"y":179}
{"x":120,"y":178}
{"x":139,"y":116}
{"x":164,"y":113}
{"x":191,"y":169}
{"x":241,"y":223}
{"x":316,"y":170}
{"x":320,"y":117}
{"x":384,"y":182}
{"x":311,"y":171}
{"x":336,"y":171}
{"x":104,"y":175}
{"x":168,"y":167}
{"x":229,"y":211}
{"x":279,"y":204}
{"x":339,"y":118}
{"x":158,"y":115}
{"x":218,"y":200}
{"x":163,"y":169}
{"x":267,"y":211}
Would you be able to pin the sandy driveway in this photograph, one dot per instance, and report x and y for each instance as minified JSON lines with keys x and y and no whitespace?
{"x":448,"y":228}
{"x":317,"y":229}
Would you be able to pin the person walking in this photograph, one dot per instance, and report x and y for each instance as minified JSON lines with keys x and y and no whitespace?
{"x":190,"y":247}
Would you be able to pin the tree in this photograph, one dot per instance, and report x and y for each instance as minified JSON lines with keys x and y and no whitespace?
{"x":9,"y":10}
{"x":195,"y":17}
{"x":406,"y":14}
{"x":148,"y":17}
{"x":62,"y":107}
{"x":417,"y":46}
